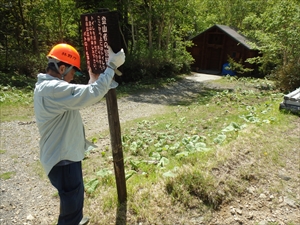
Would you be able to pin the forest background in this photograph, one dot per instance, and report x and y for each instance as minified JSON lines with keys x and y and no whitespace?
{"x":156,"y":34}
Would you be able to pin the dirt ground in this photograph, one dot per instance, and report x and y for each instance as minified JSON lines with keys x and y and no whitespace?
{"x":27,"y":199}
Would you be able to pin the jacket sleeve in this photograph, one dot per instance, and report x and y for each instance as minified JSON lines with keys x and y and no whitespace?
{"x":74,"y":97}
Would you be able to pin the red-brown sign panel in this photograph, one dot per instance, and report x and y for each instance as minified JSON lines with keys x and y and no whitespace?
{"x":98,"y":31}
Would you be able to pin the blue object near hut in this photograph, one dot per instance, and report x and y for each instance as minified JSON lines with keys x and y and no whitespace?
{"x":226,"y":70}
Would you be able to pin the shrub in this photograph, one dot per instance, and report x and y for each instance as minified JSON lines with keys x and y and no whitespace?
{"x":14,"y":79}
{"x":287,"y":77}
{"x":154,"y":64}
{"x":238,"y":67}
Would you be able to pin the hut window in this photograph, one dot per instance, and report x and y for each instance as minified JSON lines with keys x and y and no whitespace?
{"x":235,"y":55}
{"x":216,"y":39}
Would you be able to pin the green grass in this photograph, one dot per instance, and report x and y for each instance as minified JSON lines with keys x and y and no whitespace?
{"x":16,"y":103}
{"x":7,"y":175}
{"x":180,"y":157}
{"x":2,"y":151}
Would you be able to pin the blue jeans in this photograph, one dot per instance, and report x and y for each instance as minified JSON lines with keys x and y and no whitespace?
{"x":69,"y":183}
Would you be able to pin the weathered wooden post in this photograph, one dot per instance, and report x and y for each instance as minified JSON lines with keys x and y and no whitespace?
{"x":100,"y":30}
{"x":116,"y":144}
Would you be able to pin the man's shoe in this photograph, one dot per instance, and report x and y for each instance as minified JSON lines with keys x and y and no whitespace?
{"x":84,"y":221}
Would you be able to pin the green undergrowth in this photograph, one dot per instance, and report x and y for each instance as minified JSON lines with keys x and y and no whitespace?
{"x":16,"y":96}
{"x":179,"y":157}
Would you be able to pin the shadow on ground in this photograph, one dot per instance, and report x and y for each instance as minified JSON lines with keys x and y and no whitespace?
{"x":182,"y":92}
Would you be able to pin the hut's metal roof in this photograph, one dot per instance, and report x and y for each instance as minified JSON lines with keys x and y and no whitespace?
{"x":231,"y":32}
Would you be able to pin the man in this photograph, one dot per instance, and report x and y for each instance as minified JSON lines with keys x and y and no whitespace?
{"x":62,"y":143}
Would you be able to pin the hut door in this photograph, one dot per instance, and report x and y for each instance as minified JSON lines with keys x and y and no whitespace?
{"x":214,"y":51}
{"x":213,"y":58}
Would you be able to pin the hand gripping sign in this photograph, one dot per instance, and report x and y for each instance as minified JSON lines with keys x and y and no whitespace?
{"x":100,"y":30}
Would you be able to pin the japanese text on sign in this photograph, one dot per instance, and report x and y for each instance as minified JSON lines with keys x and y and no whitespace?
{"x":95,"y":42}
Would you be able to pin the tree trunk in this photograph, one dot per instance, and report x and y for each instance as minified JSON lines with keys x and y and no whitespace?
{"x":60,"y":36}
{"x":21,"y":14}
{"x":132,"y":34}
{"x":150,"y":25}
{"x":160,"y":33}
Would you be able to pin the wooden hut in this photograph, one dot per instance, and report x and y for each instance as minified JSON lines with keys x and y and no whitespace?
{"x":214,"y":46}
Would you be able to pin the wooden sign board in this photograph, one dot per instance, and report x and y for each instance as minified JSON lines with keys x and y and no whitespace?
{"x":100,"y":30}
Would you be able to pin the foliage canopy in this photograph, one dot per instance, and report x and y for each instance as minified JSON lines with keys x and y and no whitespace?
{"x":156,"y":33}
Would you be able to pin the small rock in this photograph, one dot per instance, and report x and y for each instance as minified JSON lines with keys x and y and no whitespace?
{"x":263,"y":196}
{"x":30,"y":217}
{"x":251,"y":190}
{"x":240,"y":212}
{"x":237,"y":219}
{"x":250,"y":215}
{"x":232,"y":211}
{"x":197,"y":220}
{"x":283,"y":177}
{"x":263,"y":222}
{"x":290,"y":202}
{"x":272,"y":220}
{"x":281,"y":199}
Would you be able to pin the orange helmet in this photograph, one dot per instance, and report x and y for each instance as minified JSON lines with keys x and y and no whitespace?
{"x":65,"y":53}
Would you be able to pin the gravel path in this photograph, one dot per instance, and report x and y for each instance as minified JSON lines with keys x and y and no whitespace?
{"x":27,"y":197}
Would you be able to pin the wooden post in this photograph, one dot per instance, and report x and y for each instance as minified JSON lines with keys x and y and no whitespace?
{"x":116,"y":144}
{"x":100,"y":30}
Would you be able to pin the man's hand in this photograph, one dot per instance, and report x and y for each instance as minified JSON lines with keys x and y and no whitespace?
{"x":115,"y":60}
{"x":93,"y":76}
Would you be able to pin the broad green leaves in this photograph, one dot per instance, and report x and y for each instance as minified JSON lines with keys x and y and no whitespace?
{"x":192,"y":145}
{"x":91,"y":186}
{"x":234,"y":127}
{"x":163,"y":147}
{"x":104,"y":176}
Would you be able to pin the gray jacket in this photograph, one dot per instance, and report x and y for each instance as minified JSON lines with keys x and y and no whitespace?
{"x":56,"y":107}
